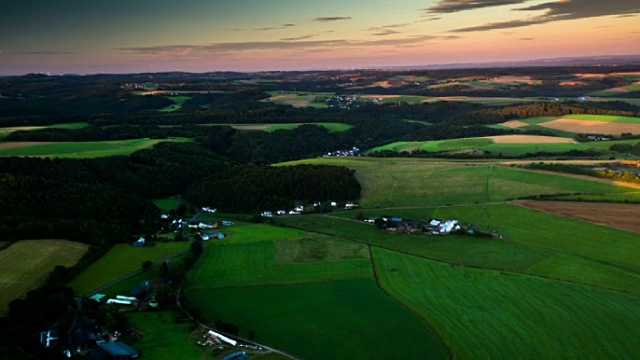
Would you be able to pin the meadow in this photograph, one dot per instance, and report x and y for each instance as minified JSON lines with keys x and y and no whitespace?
{"x":88,"y":149}
{"x":420,"y":182}
{"x":162,"y":338}
{"x":483,"y":314}
{"x":167,"y":204}
{"x":71,"y":126}
{"x":349,"y":319}
{"x":299,"y":98}
{"x":25,"y":265}
{"x":122,"y":260}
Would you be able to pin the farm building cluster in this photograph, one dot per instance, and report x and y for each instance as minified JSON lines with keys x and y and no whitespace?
{"x":432,"y":227}
{"x":354,"y":151}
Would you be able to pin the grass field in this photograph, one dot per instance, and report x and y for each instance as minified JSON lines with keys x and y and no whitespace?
{"x":495,"y":145}
{"x":417,"y":182}
{"x":71,"y":126}
{"x":299,"y":99}
{"x":349,"y":319}
{"x":26,"y":264}
{"x":120,"y":261}
{"x":178,"y":102}
{"x":88,"y":149}
{"x":486,"y":314}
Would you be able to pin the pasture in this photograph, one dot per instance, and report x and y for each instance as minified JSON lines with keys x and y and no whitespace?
{"x":87,"y":149}
{"x":581,"y":123}
{"x":162,"y":338}
{"x":349,"y":319}
{"x":26,"y":264}
{"x":178,"y":101}
{"x":71,"y":126}
{"x":122,"y":260}
{"x":484,"y":314}
{"x":418,"y":182}
{"x":167,"y":204}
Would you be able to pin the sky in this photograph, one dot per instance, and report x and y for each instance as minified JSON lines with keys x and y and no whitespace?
{"x":130,"y":36}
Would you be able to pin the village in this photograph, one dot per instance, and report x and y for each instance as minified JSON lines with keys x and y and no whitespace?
{"x":317,"y":207}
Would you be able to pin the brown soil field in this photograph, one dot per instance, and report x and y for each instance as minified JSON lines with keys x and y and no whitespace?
{"x":618,"y":216}
{"x":572,"y":83}
{"x":590,"y":76}
{"x":618,"y":89}
{"x":298,"y":103}
{"x":592,"y":127}
{"x":633,"y":73}
{"x":514,"y":124}
{"x":21,"y":144}
{"x":530,"y":139}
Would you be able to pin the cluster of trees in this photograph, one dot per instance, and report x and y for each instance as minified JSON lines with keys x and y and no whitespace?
{"x":562,"y":108}
{"x":256,"y":188}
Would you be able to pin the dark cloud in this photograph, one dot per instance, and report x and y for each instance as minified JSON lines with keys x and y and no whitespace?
{"x":450,"y":6}
{"x":266,"y":29}
{"x":386,"y":32}
{"x":287,"y":25}
{"x":527,"y":39}
{"x":304,"y":37}
{"x":564,"y":10}
{"x":333,"y":18}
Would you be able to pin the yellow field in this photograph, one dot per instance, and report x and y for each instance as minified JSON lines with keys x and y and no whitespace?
{"x":26,"y":264}
{"x":530,"y":139}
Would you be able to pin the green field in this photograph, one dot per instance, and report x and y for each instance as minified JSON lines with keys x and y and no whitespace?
{"x":26,"y":264}
{"x":418,"y":182}
{"x":178,"y":102}
{"x":349,"y":319}
{"x":311,"y":283}
{"x":120,"y":261}
{"x":299,"y":98}
{"x":486,"y":144}
{"x":605,"y":118}
{"x":88,"y":149}
{"x":491,"y":315}
{"x":70,"y":126}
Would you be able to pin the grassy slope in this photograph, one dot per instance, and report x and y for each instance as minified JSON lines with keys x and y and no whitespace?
{"x":119,"y":261}
{"x":349,"y":319}
{"x":605,"y":118}
{"x":87,"y":149}
{"x":490,"y":315}
{"x":167,"y":204}
{"x":26,"y":264}
{"x":401,"y":182}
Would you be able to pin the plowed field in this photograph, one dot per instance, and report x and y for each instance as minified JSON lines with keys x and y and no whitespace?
{"x":592,"y":127}
{"x":618,"y":216}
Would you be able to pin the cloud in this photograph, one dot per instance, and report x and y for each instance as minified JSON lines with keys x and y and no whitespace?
{"x":451,"y":6}
{"x":289,"y":25}
{"x":304,"y":37}
{"x":220,"y":49}
{"x":266,"y":29}
{"x":564,"y":10}
{"x":527,"y":38}
{"x":334,"y":18}
{"x":386,"y":32}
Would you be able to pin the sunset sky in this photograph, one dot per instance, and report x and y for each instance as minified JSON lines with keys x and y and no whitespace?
{"x":116,"y":36}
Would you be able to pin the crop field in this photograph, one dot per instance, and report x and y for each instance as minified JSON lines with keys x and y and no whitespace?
{"x":483,"y":314}
{"x":120,"y":261}
{"x":333,"y":127}
{"x":592,"y":127}
{"x":178,"y":102}
{"x":349,"y":319}
{"x":383,"y":99}
{"x":619,"y":216}
{"x":26,"y":264}
{"x":417,"y":182}
{"x":88,"y":149}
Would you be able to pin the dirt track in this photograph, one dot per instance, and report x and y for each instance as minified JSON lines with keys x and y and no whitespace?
{"x":618,"y":216}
